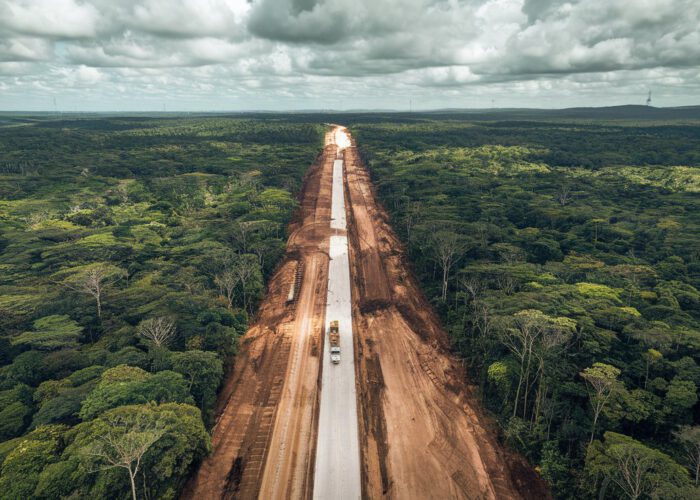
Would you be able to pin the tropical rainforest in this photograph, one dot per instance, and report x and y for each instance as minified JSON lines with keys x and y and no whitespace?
{"x":562,"y":255}
{"x":132,"y":255}
{"x":564,"y":260}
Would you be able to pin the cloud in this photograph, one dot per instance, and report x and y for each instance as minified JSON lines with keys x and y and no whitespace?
{"x":50,"y":18}
{"x":603,"y":35}
{"x":23,"y":48}
{"x":310,"y":51}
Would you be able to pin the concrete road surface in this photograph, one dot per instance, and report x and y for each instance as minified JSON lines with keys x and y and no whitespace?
{"x":337,"y":468}
{"x":338,"y":197}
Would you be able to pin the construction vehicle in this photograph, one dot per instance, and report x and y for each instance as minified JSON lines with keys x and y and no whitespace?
{"x":334,"y":341}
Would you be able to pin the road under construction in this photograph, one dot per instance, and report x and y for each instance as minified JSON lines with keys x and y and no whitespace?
{"x":394,"y":417}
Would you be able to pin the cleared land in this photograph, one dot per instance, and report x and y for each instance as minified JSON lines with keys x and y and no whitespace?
{"x":420,"y":432}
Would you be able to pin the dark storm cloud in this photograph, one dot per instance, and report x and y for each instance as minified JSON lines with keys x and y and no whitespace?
{"x":300,"y":48}
{"x":538,"y":9}
{"x":299,"y":21}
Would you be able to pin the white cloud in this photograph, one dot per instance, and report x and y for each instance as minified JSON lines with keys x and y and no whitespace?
{"x":52,"y":18}
{"x":306,"y":53}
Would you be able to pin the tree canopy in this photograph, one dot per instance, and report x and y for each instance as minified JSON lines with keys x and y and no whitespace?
{"x":563,"y":260}
{"x":114,"y":325}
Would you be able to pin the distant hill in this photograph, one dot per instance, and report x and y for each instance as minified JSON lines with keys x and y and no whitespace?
{"x":611,"y":113}
{"x":628,"y":112}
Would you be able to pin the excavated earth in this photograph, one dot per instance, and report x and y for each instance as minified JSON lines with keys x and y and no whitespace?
{"x":421,"y":431}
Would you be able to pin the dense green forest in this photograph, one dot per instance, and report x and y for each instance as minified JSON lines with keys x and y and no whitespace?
{"x":564,"y":259}
{"x":132,"y":254}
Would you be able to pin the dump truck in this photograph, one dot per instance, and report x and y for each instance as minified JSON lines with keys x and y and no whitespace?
{"x":334,"y":342}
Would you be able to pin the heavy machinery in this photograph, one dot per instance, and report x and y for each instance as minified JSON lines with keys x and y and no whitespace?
{"x":334,"y":342}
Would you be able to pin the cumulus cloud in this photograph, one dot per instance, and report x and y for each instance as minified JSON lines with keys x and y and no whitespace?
{"x":356,"y":53}
{"x":50,"y":18}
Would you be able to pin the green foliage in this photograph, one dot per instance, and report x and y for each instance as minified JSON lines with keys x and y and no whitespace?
{"x":64,"y":407}
{"x":203,"y":370}
{"x":124,"y":220}
{"x":635,"y":470}
{"x":597,"y":291}
{"x":26,"y":461}
{"x":681,"y":395}
{"x":125,"y":385}
{"x":15,"y":409}
{"x":50,"y":333}
{"x":181,"y":441}
{"x":595,"y":224}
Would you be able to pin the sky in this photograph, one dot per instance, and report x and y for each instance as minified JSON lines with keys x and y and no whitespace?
{"x":241,"y":55}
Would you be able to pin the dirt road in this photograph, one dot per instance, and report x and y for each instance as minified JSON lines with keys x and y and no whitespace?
{"x":421,"y":434}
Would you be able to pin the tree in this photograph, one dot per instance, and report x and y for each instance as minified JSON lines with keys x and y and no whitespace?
{"x":92,"y":280}
{"x":529,"y":335}
{"x":51,"y":333}
{"x":24,"y":464}
{"x":15,"y":410}
{"x":635,"y":469}
{"x":227,"y":281}
{"x":159,"y":331}
{"x":125,"y":385}
{"x":413,"y":212}
{"x":603,"y":381}
{"x":127,"y":438}
{"x":203,"y":370}
{"x":449,"y":248}
{"x":240,"y":232}
{"x":681,"y":395}
{"x":563,"y":194}
{"x":689,"y":438}
{"x":247,"y":269}
{"x":84,"y":469}
{"x":62,"y":408}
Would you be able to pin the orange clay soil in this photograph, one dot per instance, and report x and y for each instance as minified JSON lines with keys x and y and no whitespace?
{"x":422,"y":435}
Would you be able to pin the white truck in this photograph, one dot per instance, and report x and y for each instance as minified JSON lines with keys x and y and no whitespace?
{"x":334,"y":342}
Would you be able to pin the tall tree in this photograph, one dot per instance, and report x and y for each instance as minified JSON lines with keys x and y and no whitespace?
{"x":449,"y":248}
{"x":127,"y":440}
{"x":159,"y":331}
{"x":247,"y":269}
{"x":689,"y":437}
{"x":92,"y":280}
{"x":529,"y":334}
{"x":635,"y":469}
{"x":603,"y":382}
{"x":227,"y":281}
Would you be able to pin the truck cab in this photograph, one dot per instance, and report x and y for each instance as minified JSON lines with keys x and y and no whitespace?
{"x":334,"y":342}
